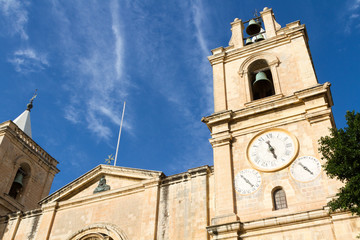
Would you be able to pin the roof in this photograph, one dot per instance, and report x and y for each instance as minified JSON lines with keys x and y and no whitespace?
{"x":24,"y":123}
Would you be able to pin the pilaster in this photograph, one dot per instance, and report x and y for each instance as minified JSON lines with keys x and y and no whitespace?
{"x":12,"y":226}
{"x":224,"y":192}
{"x":150,"y":209}
{"x":217,"y":62}
{"x":47,"y":220}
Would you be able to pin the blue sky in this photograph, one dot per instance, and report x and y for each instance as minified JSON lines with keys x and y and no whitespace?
{"x":87,"y":57}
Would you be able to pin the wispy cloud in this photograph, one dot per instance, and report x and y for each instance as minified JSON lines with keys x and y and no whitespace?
{"x":354,"y":5}
{"x":28,"y":60}
{"x":166,"y":53}
{"x":205,"y":69}
{"x":14,"y":17}
{"x":93,"y":50}
{"x":118,"y":38}
{"x":352,"y":15}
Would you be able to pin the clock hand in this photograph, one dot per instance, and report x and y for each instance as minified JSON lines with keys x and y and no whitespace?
{"x":272,"y":150}
{"x":247,"y":180}
{"x":306,"y":168}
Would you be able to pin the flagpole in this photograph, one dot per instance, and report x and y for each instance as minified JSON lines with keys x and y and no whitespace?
{"x":117,"y":147}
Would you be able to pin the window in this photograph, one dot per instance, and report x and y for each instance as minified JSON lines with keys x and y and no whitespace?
{"x":261,"y":81}
{"x":20,"y":181}
{"x":279,"y":198}
{"x":17,"y":184}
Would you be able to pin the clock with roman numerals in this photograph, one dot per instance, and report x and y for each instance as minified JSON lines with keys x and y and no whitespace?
{"x":272,"y":150}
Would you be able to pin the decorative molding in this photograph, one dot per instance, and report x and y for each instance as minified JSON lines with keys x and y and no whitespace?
{"x":225,"y":231}
{"x":109,"y":229}
{"x":270,"y":59}
{"x":283,"y":36}
{"x":15,"y":133}
{"x":221,"y":140}
{"x":264,"y":100}
{"x":95,"y":172}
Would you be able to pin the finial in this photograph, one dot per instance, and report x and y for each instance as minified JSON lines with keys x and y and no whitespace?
{"x":30,"y":104}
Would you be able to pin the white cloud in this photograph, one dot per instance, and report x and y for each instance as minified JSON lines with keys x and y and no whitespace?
{"x":118,"y":38}
{"x":28,"y":60}
{"x":352,"y":14}
{"x":354,"y":5}
{"x":92,"y":45}
{"x":72,"y":114}
{"x":205,"y":69}
{"x":198,"y":15}
{"x":15,"y":17}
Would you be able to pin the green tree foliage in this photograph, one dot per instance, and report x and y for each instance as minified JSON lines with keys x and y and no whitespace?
{"x":341,"y":150}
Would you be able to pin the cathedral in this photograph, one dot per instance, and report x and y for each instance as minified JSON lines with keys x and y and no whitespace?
{"x":266,"y":181}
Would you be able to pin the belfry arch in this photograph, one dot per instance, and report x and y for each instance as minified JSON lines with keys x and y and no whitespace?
{"x":246,"y":72}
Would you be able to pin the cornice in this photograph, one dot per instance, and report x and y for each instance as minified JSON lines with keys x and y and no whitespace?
{"x":187,"y":176}
{"x":221,"y":140}
{"x":233,"y":227}
{"x":301,"y":217}
{"x":120,"y":192}
{"x":272,"y":103}
{"x":103,"y":169}
{"x":218,"y":117}
{"x":11,"y":203}
{"x":17,"y":136}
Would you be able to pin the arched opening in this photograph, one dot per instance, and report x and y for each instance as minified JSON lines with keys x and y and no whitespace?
{"x":20,"y":181}
{"x":260,"y":79}
{"x":279,"y":198}
{"x":99,"y":231}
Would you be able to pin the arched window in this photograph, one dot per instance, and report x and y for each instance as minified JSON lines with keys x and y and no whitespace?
{"x":20,"y":181}
{"x":261,"y":80}
{"x":279,"y":198}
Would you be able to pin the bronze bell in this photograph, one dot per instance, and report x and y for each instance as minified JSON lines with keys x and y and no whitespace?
{"x":259,"y":37}
{"x":19,"y":178}
{"x":261,"y":80}
{"x":254,"y":27}
{"x":248,"y":41}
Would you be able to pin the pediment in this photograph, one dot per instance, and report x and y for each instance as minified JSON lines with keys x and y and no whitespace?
{"x":117,"y":178}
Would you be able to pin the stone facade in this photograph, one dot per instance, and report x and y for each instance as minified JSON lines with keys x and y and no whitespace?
{"x":17,"y":150}
{"x":223,"y":201}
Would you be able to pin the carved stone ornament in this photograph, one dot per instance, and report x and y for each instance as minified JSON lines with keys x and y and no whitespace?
{"x":102,"y":185}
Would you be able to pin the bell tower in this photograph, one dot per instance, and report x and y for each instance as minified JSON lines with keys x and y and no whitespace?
{"x":269,"y":112}
{"x":26,"y":170}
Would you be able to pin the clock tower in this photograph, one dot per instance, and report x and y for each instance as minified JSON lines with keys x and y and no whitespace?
{"x":269,"y":112}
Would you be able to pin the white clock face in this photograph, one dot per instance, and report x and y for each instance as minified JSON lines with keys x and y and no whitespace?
{"x":272,"y":150}
{"x":305,"y":169}
{"x":247,"y":181}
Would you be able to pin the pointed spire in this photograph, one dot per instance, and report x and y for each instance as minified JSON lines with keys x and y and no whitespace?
{"x":23,"y":121}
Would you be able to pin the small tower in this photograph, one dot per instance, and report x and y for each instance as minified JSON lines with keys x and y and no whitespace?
{"x":269,"y":112}
{"x":26,"y":170}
